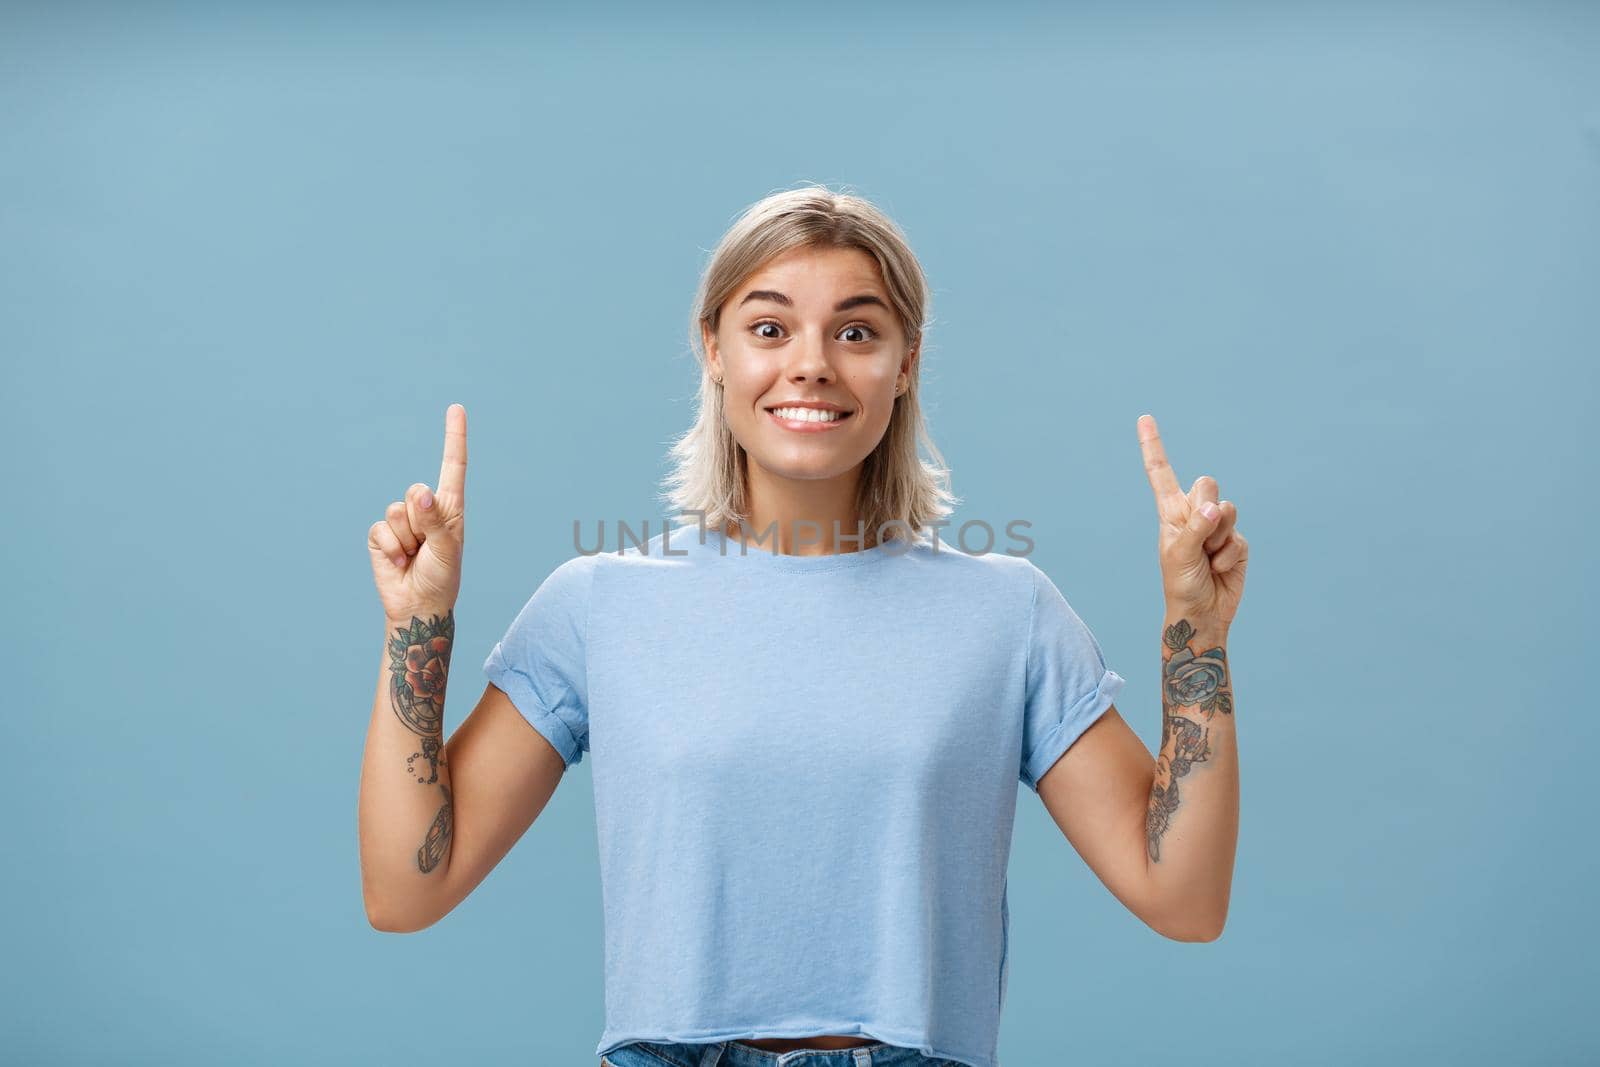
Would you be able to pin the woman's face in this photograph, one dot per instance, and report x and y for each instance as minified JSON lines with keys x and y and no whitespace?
{"x":812,"y":325}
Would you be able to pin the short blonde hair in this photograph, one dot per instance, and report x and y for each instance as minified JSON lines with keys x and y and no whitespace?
{"x":899,"y":493}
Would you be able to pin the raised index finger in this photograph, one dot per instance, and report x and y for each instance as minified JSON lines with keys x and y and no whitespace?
{"x":1169,"y":494}
{"x":453,"y":471}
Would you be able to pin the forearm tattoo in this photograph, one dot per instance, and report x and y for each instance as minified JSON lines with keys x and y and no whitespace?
{"x":419,"y":674}
{"x":1188,"y":681}
{"x":433,"y":846}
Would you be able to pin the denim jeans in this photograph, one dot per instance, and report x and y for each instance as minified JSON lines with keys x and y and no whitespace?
{"x":733,"y":1054}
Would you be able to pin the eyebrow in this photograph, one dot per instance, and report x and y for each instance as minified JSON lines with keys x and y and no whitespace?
{"x":843,"y":305}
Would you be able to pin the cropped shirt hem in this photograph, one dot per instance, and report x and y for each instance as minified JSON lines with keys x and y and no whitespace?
{"x":890,"y":1034}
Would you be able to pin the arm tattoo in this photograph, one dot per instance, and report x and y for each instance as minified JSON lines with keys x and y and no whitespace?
{"x":1188,"y":681}
{"x":433,"y":846}
{"x":419,"y":673}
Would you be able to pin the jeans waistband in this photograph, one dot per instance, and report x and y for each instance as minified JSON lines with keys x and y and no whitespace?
{"x":733,"y":1054}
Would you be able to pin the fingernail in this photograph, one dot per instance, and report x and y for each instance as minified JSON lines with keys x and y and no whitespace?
{"x":1208,"y":509}
{"x":425,"y":498}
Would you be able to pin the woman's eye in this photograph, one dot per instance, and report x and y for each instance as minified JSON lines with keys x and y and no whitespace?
{"x":769,"y":337}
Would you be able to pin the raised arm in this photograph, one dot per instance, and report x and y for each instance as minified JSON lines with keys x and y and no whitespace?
{"x":406,"y":811}
{"x":1162,"y":834}
{"x":434,"y":818}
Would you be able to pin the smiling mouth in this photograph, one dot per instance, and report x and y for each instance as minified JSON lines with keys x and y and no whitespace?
{"x":807,"y":418}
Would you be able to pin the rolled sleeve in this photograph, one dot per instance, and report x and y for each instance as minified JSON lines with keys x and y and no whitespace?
{"x":1069,"y":685}
{"x":541,"y":663}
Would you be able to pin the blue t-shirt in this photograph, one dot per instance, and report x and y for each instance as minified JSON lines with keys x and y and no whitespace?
{"x":805,"y":776}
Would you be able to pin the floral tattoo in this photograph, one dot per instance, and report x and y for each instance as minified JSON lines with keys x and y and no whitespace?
{"x":419,"y":673}
{"x":1188,"y":681}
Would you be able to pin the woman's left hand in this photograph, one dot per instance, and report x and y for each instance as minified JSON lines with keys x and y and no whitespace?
{"x":1203,"y":556}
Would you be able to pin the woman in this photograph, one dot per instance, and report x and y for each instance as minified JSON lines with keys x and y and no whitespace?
{"x":808,"y":716}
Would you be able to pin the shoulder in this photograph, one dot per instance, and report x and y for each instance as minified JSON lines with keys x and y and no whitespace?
{"x":995,"y":563}
{"x":1032,"y":591}
{"x":569,"y":582}
{"x":633,"y":550}
{"x":634,"y":557}
{"x":998,"y":579}
{"x":576,"y":571}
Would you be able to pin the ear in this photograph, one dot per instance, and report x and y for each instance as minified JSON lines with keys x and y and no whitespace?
{"x":910,"y":361}
{"x":708,"y":341}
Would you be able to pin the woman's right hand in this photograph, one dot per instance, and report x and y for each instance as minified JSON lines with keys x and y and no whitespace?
{"x":416,"y":550}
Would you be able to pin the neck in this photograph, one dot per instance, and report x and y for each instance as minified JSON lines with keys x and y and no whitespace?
{"x":803,"y":517}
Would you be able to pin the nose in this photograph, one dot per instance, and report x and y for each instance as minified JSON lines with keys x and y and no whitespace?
{"x":809,"y":361}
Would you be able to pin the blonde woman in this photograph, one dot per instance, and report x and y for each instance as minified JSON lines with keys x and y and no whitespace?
{"x":808,"y":714}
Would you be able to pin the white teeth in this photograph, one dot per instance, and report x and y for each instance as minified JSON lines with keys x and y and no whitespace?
{"x":807,"y":414}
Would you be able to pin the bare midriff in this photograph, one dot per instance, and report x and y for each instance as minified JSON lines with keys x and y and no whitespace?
{"x":788,"y":1044}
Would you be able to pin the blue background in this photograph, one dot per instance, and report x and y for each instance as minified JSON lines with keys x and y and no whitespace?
{"x":1346,"y":255}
